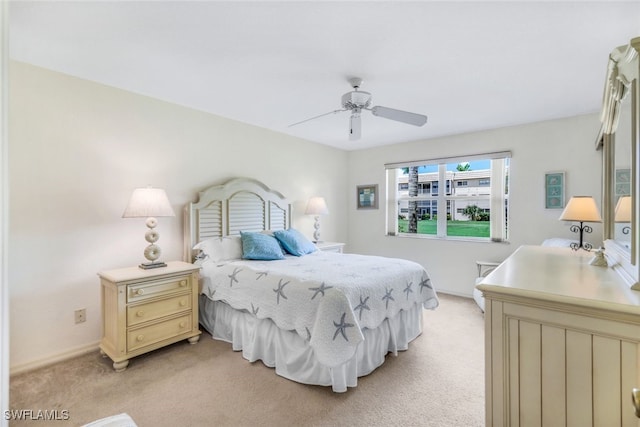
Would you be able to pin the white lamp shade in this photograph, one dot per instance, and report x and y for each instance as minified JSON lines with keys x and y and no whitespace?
{"x":623,"y":209}
{"x":148,"y":202}
{"x":317,"y":206}
{"x":581,"y":209}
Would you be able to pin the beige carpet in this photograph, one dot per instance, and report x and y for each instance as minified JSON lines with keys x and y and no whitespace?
{"x":439,"y":381}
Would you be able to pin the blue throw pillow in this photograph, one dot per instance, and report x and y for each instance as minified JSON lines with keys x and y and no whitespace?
{"x":260,"y":246}
{"x":294,"y":242}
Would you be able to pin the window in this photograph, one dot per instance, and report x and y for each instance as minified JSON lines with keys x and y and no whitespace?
{"x":475,"y":203}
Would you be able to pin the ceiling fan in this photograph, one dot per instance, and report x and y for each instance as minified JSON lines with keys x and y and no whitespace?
{"x":357,"y":100}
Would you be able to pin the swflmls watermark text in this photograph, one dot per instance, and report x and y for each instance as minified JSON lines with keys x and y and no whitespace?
{"x":36,"y":414}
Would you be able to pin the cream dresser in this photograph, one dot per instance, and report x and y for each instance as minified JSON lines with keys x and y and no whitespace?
{"x":562,"y":342}
{"x":143,"y":310}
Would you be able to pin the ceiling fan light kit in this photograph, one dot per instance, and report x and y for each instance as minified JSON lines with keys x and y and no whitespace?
{"x":357,"y":100}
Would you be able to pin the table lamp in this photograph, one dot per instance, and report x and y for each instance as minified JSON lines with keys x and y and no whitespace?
{"x":149,"y":203}
{"x":581,"y":209}
{"x":623,"y":212}
{"x":316,"y":206}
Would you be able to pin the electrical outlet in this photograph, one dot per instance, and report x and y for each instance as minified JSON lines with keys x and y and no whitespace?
{"x":81,"y":315}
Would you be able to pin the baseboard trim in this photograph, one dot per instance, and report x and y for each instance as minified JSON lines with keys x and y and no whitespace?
{"x":50,"y":360}
{"x":457,"y":294}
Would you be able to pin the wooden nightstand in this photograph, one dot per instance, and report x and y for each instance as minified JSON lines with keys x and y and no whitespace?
{"x":330,"y":246}
{"x":143,"y":310}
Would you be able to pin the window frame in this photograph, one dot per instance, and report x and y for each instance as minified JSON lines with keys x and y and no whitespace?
{"x":498,"y":197}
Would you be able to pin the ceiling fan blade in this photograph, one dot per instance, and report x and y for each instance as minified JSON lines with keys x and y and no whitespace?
{"x":317,"y":117}
{"x":399,"y":115}
{"x":355,"y":127}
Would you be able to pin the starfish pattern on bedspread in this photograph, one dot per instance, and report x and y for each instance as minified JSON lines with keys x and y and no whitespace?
{"x":387,"y":297}
{"x":233,"y":275}
{"x":362,"y":306}
{"x":408,"y":289}
{"x":322,"y":296}
{"x":425,"y":283}
{"x":341,"y":327}
{"x":319,"y":290}
{"x":280,"y":291}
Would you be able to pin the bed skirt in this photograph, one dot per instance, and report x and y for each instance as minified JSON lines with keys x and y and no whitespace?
{"x":291,"y":355}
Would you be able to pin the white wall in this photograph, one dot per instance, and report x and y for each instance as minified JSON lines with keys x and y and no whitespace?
{"x":559,"y":145}
{"x":78,"y":149}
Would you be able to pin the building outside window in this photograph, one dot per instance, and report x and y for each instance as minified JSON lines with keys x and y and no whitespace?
{"x":475,"y":203}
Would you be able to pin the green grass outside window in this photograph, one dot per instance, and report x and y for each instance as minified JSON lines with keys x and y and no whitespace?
{"x":454,"y":228}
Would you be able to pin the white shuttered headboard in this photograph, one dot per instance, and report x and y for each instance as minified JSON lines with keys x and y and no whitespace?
{"x":240,"y":204}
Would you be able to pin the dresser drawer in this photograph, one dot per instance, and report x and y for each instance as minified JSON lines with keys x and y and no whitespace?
{"x":140,"y":313}
{"x":146,"y":290}
{"x":151,"y":334}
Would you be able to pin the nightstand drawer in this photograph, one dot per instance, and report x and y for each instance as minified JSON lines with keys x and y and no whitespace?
{"x":153,"y":310}
{"x":145,"y":290}
{"x":148,"y":335}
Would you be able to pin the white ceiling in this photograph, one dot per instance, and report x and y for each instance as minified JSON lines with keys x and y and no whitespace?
{"x":467,"y":65}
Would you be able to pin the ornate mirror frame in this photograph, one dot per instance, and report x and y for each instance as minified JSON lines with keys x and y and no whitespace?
{"x":622,"y":85}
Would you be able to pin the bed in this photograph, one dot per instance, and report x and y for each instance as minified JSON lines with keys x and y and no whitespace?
{"x":321,"y":318}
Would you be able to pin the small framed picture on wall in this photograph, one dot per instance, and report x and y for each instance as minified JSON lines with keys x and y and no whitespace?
{"x":623,"y":182}
{"x":554,"y":190}
{"x":367,"y":197}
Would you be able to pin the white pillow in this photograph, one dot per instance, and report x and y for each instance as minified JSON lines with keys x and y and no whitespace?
{"x":221,"y":248}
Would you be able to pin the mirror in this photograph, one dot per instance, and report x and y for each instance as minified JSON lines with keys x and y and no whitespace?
{"x":618,"y":139}
{"x":622,"y":199}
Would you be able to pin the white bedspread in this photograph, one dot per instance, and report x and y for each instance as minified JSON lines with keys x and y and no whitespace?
{"x":327,"y":298}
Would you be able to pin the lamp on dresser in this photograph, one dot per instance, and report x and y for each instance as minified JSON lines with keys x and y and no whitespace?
{"x":316,"y":206}
{"x":581,"y":209}
{"x":623,"y":212}
{"x":149,"y":203}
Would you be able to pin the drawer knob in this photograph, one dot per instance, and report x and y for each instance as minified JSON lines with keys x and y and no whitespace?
{"x":183,"y":283}
{"x":183,"y":303}
{"x":140,"y":338}
{"x":140,"y":313}
{"x":139,"y":292}
{"x":183,"y":324}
